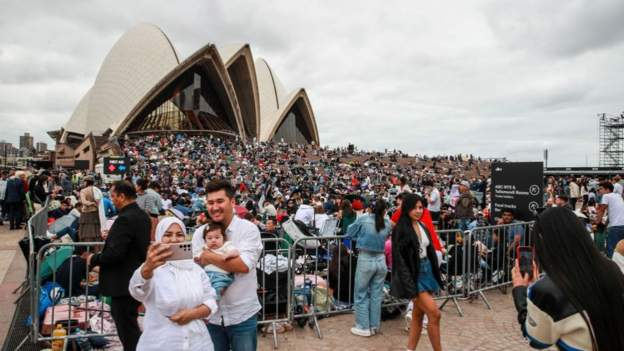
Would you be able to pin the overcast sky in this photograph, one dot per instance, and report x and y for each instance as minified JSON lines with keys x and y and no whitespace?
{"x":501,"y":78}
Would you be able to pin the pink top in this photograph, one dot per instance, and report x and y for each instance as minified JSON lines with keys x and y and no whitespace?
{"x":388,"y":252}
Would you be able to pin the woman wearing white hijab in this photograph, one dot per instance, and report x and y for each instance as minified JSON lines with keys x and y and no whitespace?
{"x":177,"y":295}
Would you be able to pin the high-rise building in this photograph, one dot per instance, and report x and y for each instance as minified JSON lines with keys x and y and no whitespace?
{"x":26,"y":141}
{"x":41,"y":147}
{"x":5,"y":148}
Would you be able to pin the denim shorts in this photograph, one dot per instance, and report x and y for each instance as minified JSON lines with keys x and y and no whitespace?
{"x":426,"y":280}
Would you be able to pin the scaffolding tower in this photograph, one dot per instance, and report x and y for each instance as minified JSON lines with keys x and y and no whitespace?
{"x":611,"y":129}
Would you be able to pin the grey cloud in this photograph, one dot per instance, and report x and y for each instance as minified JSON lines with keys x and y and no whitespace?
{"x":503,"y":79}
{"x":558,"y":27}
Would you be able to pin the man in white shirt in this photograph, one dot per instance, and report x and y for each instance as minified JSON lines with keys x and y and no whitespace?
{"x":617,"y":187}
{"x":434,"y":202}
{"x":613,"y":203}
{"x":234,"y":325}
{"x":404,"y":186}
{"x":305,"y":213}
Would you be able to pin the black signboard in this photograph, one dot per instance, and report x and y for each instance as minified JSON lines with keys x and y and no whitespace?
{"x":517,"y":186}
{"x":81,"y":164}
{"x":115,"y":165}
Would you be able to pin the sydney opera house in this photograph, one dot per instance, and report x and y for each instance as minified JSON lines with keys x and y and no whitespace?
{"x":143,"y":87}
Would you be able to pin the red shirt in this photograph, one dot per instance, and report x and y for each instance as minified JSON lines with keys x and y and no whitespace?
{"x":427,"y":222}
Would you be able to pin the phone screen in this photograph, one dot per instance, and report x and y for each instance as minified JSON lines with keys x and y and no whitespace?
{"x":525,"y":260}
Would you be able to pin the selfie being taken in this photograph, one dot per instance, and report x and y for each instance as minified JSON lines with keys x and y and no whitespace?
{"x":568,"y":294}
{"x":312,"y":175}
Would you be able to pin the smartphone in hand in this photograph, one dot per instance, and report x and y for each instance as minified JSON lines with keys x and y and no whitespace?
{"x":525,"y":260}
{"x":181,"y":251}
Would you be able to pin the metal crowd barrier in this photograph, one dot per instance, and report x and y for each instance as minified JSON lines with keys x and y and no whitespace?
{"x":36,"y":226}
{"x":73,"y":309}
{"x":451,"y":268}
{"x":311,"y":278}
{"x":491,"y":255}
{"x":274,"y":290}
{"x":312,"y":260}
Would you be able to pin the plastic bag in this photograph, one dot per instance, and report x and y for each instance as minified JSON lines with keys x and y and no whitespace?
{"x":49,"y":295}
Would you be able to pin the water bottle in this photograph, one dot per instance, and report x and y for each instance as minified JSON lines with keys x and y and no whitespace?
{"x":58,"y":334}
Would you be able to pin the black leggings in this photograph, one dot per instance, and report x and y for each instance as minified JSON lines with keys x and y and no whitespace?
{"x":124,"y":312}
{"x":15,"y":210}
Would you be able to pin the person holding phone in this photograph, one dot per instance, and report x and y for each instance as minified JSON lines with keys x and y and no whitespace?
{"x":577,"y":304}
{"x":177,"y":294}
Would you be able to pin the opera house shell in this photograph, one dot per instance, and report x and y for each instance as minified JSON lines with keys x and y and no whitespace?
{"x":142,"y":87}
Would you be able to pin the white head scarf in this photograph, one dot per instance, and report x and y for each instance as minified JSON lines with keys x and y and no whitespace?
{"x":190,"y":290}
{"x":164,"y":224}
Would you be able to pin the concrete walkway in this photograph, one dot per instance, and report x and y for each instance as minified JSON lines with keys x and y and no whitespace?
{"x":12,"y":274}
{"x":479,"y":329}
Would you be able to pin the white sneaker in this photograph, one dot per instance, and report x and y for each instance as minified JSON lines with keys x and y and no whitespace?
{"x":361,"y":332}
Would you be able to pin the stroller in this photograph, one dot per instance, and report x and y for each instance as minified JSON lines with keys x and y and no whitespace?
{"x":310,"y":255}
{"x":273,"y":293}
{"x":455,"y":265}
{"x":453,"y":268}
{"x":295,"y":230}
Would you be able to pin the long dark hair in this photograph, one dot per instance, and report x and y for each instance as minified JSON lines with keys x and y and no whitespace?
{"x":346,"y":208}
{"x":591,"y":282}
{"x":380,"y":214}
{"x":405,"y":226}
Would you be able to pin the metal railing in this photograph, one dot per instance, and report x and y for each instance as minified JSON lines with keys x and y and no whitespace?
{"x":303,"y":281}
{"x":452,"y":263}
{"x":36,"y":227}
{"x":311,"y":258}
{"x":78,"y":312}
{"x":491,"y":254}
{"x":274,"y":291}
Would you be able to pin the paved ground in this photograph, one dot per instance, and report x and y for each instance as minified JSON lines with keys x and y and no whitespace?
{"x":479,"y":329}
{"x":12,"y":273}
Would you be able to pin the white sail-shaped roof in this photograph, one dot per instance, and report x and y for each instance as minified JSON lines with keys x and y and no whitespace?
{"x":78,"y":120}
{"x":137,"y":61}
{"x":143,"y":63}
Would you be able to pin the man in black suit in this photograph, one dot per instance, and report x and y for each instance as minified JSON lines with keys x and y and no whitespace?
{"x":14,"y":199}
{"x":124,"y":251}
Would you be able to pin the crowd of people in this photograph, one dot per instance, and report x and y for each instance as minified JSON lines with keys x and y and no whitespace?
{"x":224,"y":193}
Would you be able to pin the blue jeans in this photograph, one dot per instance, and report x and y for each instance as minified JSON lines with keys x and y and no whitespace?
{"x":220,"y":281}
{"x":70,"y":231}
{"x":462,"y":223}
{"x":614,"y":235}
{"x":239,"y":337}
{"x":369,"y":278}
